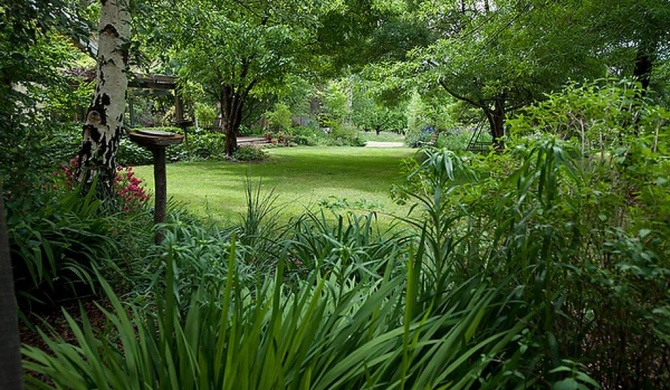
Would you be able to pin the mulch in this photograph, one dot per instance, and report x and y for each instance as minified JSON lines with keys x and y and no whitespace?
{"x":52,"y":320}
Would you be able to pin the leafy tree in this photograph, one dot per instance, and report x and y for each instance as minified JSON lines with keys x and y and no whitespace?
{"x":280,"y":117}
{"x":237,"y":50}
{"x":354,"y":33}
{"x":370,"y":112}
{"x":336,"y":99}
{"x":32,"y":53}
{"x":632,"y":35}
{"x":500,"y":56}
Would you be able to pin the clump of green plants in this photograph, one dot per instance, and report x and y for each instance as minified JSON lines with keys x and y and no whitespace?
{"x":307,"y":136}
{"x":344,"y":135}
{"x":346,"y":307}
{"x":250,"y":153}
{"x":334,"y":203}
{"x":59,"y":237}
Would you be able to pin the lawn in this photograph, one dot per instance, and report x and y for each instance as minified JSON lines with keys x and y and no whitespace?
{"x":302,"y":177}
{"x":384,"y":136}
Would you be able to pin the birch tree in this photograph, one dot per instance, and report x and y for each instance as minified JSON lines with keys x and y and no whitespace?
{"x":103,"y":127}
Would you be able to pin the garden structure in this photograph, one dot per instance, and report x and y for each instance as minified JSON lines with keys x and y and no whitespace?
{"x":157,"y":141}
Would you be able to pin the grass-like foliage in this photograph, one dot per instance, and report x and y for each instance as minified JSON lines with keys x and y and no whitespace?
{"x":60,"y":237}
{"x":538,"y":267}
{"x":317,"y":332}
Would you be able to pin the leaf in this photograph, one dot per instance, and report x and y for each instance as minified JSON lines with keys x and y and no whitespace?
{"x":567,"y":384}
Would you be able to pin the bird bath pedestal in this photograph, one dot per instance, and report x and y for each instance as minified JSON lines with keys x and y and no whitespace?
{"x":157,"y":141}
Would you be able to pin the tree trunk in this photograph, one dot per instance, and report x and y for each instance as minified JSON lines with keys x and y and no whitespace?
{"x":104,"y":119}
{"x":231,"y":113}
{"x":231,"y":138}
{"x":644,"y":64}
{"x":11,"y":375}
{"x":496,"y":118}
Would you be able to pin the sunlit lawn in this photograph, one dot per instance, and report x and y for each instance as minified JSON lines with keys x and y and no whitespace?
{"x":384,"y":136}
{"x":302,"y":178}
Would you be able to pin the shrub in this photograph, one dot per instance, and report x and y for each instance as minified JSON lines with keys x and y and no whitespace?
{"x":206,"y":114}
{"x":425,"y":136}
{"x":344,"y":135}
{"x":454,"y":139}
{"x":302,"y":135}
{"x":130,"y":153}
{"x":59,"y":237}
{"x":206,"y":146}
{"x":31,"y":152}
{"x":280,"y":118}
{"x":250,"y":153}
{"x":56,"y":240}
{"x":573,"y":244}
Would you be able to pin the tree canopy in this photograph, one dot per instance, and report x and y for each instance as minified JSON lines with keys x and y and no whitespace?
{"x":236,"y":50}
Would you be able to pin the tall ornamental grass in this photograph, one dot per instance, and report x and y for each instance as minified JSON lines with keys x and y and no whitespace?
{"x":318,"y":333}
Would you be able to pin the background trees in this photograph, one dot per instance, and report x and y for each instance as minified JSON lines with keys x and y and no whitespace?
{"x":236,"y":50}
{"x":499,"y":56}
{"x":33,"y":49}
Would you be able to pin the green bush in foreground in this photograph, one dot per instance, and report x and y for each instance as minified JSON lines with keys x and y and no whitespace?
{"x":313,"y":333}
{"x":60,"y":237}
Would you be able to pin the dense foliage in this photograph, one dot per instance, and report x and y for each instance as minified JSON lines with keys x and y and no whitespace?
{"x":524,"y":291}
{"x":542,"y":264}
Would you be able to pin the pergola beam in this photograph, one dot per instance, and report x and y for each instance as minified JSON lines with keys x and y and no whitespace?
{"x":153,"y":81}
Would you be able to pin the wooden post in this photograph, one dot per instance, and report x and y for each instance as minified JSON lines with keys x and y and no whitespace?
{"x":131,"y":111}
{"x":178,"y":107}
{"x":157,"y":141}
{"x":160,"y":182}
{"x":179,"y":114}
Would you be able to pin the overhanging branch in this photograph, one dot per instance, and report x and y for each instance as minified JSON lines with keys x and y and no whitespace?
{"x":458,"y":96}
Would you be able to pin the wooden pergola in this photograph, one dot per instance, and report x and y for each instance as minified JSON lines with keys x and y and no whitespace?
{"x":164,"y":83}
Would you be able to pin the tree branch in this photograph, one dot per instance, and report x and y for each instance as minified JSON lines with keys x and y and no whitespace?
{"x":460,"y":97}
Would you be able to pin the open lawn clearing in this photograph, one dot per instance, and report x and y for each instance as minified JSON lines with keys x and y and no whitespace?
{"x":384,"y":136}
{"x":302,"y":177}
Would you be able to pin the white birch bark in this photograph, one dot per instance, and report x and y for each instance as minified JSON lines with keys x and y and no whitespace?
{"x":104,"y":119}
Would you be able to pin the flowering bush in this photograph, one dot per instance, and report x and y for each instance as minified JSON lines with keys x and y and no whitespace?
{"x":128,"y":189}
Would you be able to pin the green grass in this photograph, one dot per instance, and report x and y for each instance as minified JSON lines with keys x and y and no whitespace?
{"x":301,"y":176}
{"x":384,"y":136}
